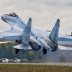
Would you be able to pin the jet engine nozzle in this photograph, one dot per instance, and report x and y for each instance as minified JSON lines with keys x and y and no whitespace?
{"x":55,"y":47}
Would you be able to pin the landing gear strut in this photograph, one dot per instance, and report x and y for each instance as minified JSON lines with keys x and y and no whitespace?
{"x":16,"y":51}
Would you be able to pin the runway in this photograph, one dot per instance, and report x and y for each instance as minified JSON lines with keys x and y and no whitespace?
{"x":56,"y":64}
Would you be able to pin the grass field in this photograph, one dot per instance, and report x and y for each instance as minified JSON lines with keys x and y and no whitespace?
{"x":33,"y":68}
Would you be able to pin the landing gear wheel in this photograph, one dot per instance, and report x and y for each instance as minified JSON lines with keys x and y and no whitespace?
{"x":44,"y":51}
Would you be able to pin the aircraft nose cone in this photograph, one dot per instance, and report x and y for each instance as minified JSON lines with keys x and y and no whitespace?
{"x":2,"y":17}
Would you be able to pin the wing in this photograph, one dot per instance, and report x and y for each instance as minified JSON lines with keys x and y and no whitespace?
{"x":64,"y":48}
{"x":10,"y":35}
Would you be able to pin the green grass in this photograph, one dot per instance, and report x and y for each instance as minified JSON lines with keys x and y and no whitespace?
{"x":33,"y":68}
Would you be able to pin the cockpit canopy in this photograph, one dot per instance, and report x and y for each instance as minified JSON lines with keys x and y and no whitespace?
{"x":13,"y":14}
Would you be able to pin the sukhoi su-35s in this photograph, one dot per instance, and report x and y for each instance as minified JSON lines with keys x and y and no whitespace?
{"x":28,"y":37}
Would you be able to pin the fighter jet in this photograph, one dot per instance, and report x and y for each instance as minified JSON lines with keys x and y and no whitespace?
{"x":30,"y":38}
{"x":14,"y":20}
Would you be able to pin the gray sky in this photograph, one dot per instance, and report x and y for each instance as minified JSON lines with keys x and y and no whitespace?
{"x":43,"y":12}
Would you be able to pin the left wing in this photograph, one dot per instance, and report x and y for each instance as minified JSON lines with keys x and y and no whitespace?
{"x":10,"y":35}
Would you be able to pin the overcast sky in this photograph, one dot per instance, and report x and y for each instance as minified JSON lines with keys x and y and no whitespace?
{"x":43,"y":12}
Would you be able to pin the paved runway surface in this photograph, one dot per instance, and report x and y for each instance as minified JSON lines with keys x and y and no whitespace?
{"x":57,"y":64}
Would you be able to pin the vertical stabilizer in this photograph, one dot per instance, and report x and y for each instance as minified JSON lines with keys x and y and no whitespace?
{"x":54,"y":33}
{"x":26,"y":33}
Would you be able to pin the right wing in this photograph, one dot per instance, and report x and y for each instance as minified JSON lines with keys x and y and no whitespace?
{"x":64,"y":48}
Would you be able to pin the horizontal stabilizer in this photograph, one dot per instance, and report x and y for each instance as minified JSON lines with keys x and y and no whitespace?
{"x":22,"y":46}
